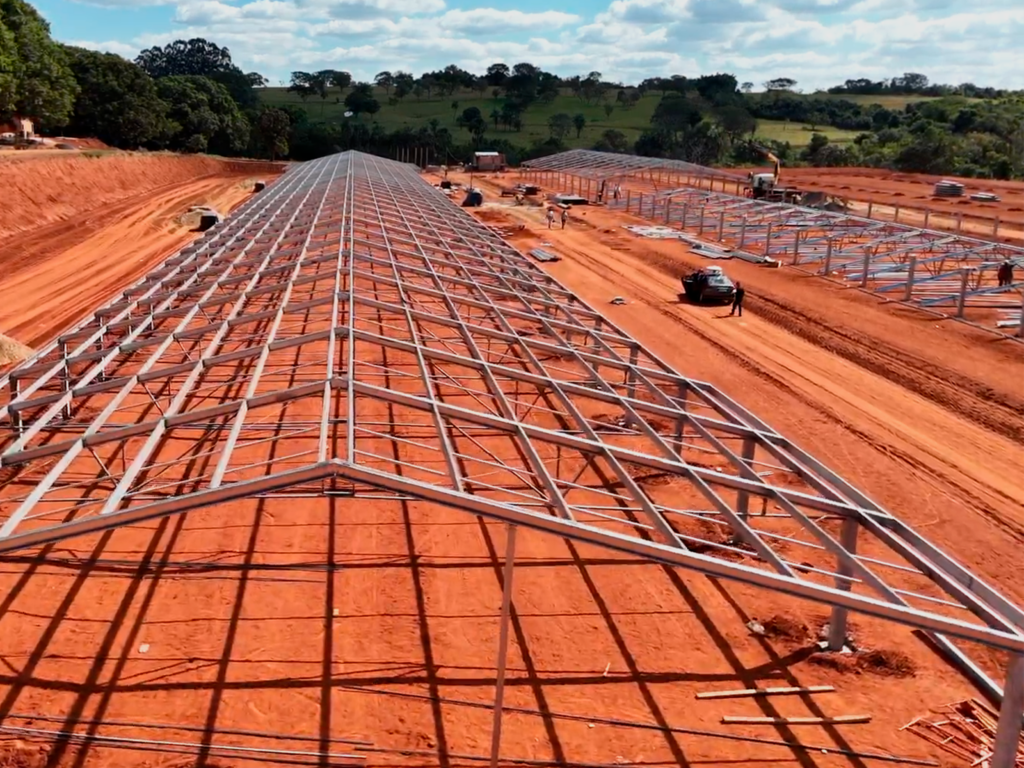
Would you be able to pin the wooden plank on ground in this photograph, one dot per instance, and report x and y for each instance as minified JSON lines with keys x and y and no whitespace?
{"x":764,"y":692}
{"x":841,"y":720}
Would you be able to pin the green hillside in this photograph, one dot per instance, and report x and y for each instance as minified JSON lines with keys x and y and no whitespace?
{"x":415,"y":112}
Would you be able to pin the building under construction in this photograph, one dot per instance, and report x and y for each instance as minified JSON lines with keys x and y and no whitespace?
{"x":332,"y":483}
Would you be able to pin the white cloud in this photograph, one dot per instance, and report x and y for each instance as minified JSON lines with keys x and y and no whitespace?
{"x":817,"y":42}
{"x":110,"y":46}
{"x":494,"y":21}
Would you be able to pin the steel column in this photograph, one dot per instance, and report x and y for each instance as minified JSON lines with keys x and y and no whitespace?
{"x":838,"y":623}
{"x":506,"y":610}
{"x":1009,"y":729}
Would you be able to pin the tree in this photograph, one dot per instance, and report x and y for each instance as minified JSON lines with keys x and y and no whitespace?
{"x":256,"y":80}
{"x":361,"y":101}
{"x":780,"y":84}
{"x":200,"y":58}
{"x":608,"y":109}
{"x":480,"y":85}
{"x":511,"y":115}
{"x":592,"y":87}
{"x":559,"y":125}
{"x":117,"y":102}
{"x":404,"y":83}
{"x":816,"y":118}
{"x":384,"y":80}
{"x":817,"y":143}
{"x":547,"y":87}
{"x":735,"y":121}
{"x":612,"y":141}
{"x":272,"y":128}
{"x":205,"y":115}
{"x":35,"y":80}
{"x":185,"y":57}
{"x":497,"y":74}
{"x":525,"y":69}
{"x":320,"y":83}
{"x":911,"y":82}
{"x":455,"y":107}
{"x":496,"y":117}
{"x":473,"y":121}
{"x":747,"y":87}
{"x":675,"y":114}
{"x":579,"y":122}
{"x":340,"y":80}
{"x":302,"y":84}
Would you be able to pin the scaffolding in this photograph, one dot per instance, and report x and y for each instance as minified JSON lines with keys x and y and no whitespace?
{"x":351,"y":333}
{"x":946,"y":273}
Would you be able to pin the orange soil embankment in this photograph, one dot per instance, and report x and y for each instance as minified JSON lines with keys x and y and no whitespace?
{"x":41,"y":189}
{"x":79,"y":228}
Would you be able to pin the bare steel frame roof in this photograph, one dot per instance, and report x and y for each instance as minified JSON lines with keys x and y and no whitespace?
{"x":939,"y":271}
{"x":349,"y":331}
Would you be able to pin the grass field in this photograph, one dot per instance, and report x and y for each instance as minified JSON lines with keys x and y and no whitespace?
{"x":412,"y":112}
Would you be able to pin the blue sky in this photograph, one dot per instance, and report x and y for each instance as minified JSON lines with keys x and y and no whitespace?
{"x":816,"y":42}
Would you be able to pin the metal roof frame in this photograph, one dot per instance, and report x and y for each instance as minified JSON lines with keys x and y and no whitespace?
{"x":592,"y":164}
{"x":349,"y":322}
{"x":922,"y":266}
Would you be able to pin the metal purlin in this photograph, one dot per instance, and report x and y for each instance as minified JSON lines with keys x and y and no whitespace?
{"x":351,"y":285}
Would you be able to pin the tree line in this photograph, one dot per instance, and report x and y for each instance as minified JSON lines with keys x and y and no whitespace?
{"x":189,"y":96}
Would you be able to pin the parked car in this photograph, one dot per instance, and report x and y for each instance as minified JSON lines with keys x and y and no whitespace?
{"x":709,"y":286}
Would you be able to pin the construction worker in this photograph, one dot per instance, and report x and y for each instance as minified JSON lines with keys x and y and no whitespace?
{"x":737,"y":300}
{"x":565,"y":216}
{"x":551,"y":217}
{"x":1005,"y":273}
{"x":519,"y":198}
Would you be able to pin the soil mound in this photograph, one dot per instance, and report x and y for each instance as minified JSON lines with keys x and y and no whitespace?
{"x":882,"y":663}
{"x":12,"y":351}
{"x":42,"y":189}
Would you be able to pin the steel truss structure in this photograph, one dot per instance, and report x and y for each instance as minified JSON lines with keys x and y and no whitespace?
{"x":349,"y":331}
{"x":943,"y":272}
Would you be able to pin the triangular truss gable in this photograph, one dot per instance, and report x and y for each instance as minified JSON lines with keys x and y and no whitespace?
{"x":350,"y":327}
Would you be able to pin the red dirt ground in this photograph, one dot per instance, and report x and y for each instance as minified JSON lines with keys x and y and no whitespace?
{"x":75,"y":229}
{"x":927,"y":418}
{"x":913,"y":194}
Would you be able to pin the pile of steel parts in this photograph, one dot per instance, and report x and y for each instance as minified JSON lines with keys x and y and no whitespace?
{"x":966,"y":729}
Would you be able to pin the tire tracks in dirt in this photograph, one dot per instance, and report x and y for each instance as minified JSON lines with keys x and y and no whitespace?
{"x":952,"y":487}
{"x":956,"y":393}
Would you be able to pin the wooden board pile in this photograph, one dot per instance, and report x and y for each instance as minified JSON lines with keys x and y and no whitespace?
{"x":966,"y":729}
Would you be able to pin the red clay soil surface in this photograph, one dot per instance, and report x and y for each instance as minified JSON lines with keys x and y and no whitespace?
{"x":913,"y":194}
{"x":378,"y":619}
{"x":76,"y":229}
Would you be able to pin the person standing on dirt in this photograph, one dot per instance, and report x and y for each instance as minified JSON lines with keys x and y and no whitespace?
{"x":737,"y":301}
{"x":1005,"y":273}
{"x":565,"y":216}
{"x":551,"y":217}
